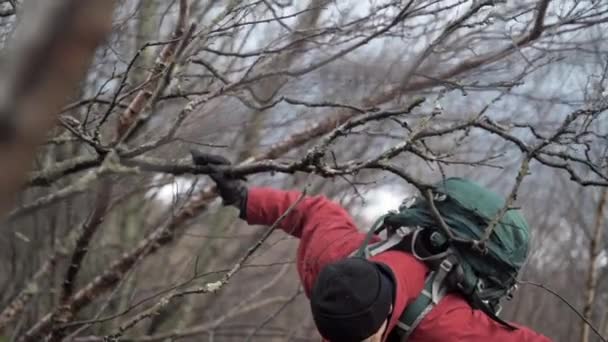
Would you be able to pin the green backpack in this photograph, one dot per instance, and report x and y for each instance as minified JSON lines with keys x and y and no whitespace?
{"x":483,"y":275}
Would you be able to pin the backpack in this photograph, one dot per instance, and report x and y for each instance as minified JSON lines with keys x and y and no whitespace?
{"x":483,"y":273}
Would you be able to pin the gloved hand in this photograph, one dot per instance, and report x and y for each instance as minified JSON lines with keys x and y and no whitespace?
{"x":232,"y":190}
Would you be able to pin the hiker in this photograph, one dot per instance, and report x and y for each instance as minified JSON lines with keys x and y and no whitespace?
{"x":358,"y":297}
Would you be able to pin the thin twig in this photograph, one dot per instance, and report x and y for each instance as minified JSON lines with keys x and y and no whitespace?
{"x":209,"y":287}
{"x":580,"y":315}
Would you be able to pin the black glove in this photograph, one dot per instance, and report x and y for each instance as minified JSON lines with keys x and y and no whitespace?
{"x":232,"y":190}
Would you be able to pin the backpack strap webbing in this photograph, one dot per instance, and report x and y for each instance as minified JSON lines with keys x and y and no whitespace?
{"x":488,"y":310}
{"x":434,"y":290}
{"x":363,"y":250}
{"x":395,"y":238}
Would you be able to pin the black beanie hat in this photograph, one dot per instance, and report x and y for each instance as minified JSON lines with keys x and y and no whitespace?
{"x":351,"y":299}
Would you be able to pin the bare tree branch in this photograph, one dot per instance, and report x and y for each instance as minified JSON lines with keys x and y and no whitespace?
{"x":33,"y":287}
{"x":594,"y":252}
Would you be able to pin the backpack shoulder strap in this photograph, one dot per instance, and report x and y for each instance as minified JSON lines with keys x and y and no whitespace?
{"x":434,"y":290}
{"x":395,"y":236}
{"x":363,"y":250}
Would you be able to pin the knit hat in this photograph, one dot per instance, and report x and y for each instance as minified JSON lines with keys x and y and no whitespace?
{"x":351,"y":299}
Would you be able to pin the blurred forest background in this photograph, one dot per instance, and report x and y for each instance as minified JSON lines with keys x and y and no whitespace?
{"x":116,"y":234}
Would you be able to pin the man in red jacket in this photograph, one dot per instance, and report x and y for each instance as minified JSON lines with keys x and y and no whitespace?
{"x":355,"y":299}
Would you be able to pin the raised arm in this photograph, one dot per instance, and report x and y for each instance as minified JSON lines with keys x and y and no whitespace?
{"x":265,"y":205}
{"x":326,"y":231}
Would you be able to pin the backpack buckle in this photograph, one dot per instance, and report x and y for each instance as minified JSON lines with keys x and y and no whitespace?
{"x":481,"y":286}
{"x":439,"y":197}
{"x":511,"y":292}
{"x":438,"y":288}
{"x":446,"y":265}
{"x":407,"y":202}
{"x":403,"y":231}
{"x":498,"y":309}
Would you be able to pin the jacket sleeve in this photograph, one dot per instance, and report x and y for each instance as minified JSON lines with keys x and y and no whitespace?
{"x":326,"y":231}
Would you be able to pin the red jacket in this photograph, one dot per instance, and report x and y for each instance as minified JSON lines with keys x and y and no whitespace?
{"x":327,"y":233}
